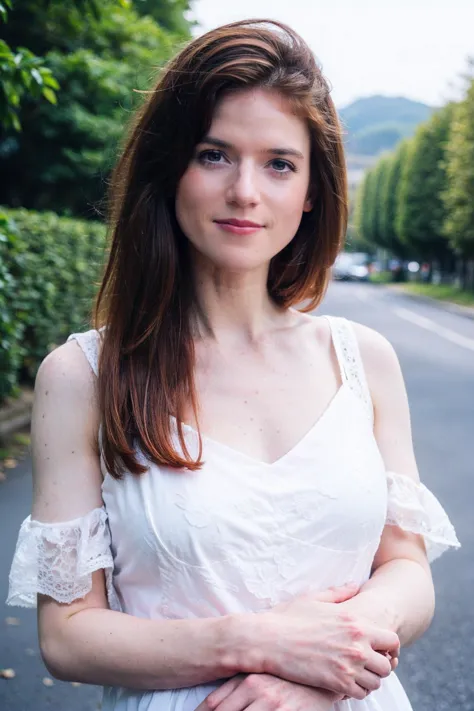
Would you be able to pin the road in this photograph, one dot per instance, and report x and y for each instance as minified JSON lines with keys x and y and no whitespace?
{"x":436,"y":351}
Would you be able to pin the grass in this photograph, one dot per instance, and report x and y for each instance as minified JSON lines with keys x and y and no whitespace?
{"x":381,"y":278}
{"x":443,"y":292}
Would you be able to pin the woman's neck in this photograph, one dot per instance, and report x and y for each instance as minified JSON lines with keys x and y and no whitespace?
{"x":235,"y":306}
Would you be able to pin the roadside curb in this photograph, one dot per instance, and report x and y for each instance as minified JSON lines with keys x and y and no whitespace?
{"x":465,"y":311}
{"x":16,"y":413}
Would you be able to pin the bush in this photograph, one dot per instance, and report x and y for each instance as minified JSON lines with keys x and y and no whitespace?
{"x":50,"y":267}
{"x":11,"y":325}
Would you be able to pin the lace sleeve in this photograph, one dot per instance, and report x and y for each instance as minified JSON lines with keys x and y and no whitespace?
{"x":413,"y":507}
{"x":58,"y":559}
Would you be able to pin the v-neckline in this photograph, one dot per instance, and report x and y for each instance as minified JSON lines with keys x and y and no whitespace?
{"x":293,"y":450}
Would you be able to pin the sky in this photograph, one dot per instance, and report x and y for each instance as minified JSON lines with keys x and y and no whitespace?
{"x":412,"y":48}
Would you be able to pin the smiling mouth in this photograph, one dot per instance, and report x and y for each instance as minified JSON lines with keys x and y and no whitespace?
{"x":238,"y":227}
{"x":239,"y":223}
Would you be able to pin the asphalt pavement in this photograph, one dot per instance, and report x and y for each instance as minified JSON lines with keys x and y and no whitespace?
{"x":436,"y":351}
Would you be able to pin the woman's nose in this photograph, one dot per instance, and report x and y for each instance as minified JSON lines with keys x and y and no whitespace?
{"x":243,"y":189}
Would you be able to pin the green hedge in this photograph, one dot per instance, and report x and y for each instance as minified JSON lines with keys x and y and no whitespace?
{"x":49,"y":270}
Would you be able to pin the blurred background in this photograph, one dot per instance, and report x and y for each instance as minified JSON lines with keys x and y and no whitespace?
{"x":402,"y":78}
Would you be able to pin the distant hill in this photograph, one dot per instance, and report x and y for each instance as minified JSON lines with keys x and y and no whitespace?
{"x":376,"y":123}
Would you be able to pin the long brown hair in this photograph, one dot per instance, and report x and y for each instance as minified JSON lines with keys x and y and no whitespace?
{"x":146,"y":299}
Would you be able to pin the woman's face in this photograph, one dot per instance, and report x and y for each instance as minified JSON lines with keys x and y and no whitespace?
{"x":241,"y":199}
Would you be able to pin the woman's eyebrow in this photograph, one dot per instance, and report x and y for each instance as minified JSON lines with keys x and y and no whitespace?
{"x":285,"y":152}
{"x":219,"y":143}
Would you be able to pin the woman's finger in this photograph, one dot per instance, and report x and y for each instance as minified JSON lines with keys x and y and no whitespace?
{"x":378,"y":664}
{"x":369,"y":681}
{"x":358,"y":692}
{"x":238,"y":700}
{"x":219,"y":695}
{"x":336,"y":594}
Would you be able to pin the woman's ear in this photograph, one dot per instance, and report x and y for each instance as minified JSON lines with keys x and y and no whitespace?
{"x":308,"y":205}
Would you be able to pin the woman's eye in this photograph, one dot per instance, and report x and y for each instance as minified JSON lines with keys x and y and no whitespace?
{"x":282,"y":166}
{"x":210,"y":156}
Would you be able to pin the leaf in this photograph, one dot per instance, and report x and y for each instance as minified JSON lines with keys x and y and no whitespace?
{"x":49,"y":80}
{"x":7,"y":674}
{"x":10,"y":463}
{"x":47,"y":681}
{"x":12,"y":621}
{"x":37,"y":76}
{"x":49,"y":95}
{"x":15,"y":121}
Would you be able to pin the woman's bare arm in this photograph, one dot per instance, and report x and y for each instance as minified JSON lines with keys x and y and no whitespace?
{"x":95,"y":645}
{"x":85,"y":641}
{"x":400,"y":593}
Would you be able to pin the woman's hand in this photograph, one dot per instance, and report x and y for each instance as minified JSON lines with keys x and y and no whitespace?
{"x":315,"y":642}
{"x":367,"y":605}
{"x":263,"y":692}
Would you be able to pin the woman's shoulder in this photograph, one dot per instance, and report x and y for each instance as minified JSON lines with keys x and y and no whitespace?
{"x":379,"y":358}
{"x":66,"y":376}
{"x":89,"y":342}
{"x":375,"y":348}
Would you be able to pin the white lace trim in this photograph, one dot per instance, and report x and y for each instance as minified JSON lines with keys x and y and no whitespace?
{"x":58,"y":559}
{"x":89,"y":343}
{"x":350,"y":360}
{"x":413,"y":507}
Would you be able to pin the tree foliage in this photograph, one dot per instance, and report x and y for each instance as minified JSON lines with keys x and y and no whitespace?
{"x":422,"y":212}
{"x":458,"y":198}
{"x":101,"y":56}
{"x":170,"y":14}
{"x":381,"y":171}
{"x":22,"y":74}
{"x":391,"y":199}
{"x":360,"y":210}
{"x":377,"y":202}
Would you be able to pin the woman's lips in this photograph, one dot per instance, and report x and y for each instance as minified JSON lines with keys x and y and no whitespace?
{"x":238,"y":227}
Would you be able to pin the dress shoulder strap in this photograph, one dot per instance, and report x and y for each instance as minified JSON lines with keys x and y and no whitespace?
{"x":350,"y":360}
{"x":89,"y":341}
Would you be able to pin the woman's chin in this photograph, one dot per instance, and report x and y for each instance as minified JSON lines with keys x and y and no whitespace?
{"x":245,"y":261}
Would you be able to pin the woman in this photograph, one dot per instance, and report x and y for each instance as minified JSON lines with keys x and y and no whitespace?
{"x":210,"y":525}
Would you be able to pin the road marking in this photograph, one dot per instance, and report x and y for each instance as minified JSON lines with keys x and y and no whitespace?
{"x":432,"y":326}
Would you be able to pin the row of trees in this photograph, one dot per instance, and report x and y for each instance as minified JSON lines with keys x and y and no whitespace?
{"x":418,"y":202}
{"x":70,"y":71}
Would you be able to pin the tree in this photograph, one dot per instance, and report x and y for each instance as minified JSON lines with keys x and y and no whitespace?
{"x":64,"y":25}
{"x":391,"y":199}
{"x":458,"y":197}
{"x":382,"y":170}
{"x":422,"y":212}
{"x":62,"y":158}
{"x":363,"y":213}
{"x":370,"y":204}
{"x":22,"y":74}
{"x":361,"y":220}
{"x":169,"y":14}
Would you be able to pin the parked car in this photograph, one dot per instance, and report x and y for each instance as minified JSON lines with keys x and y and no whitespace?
{"x":351,"y":266}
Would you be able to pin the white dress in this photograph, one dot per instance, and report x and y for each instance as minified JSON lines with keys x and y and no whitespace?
{"x":239,"y":535}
